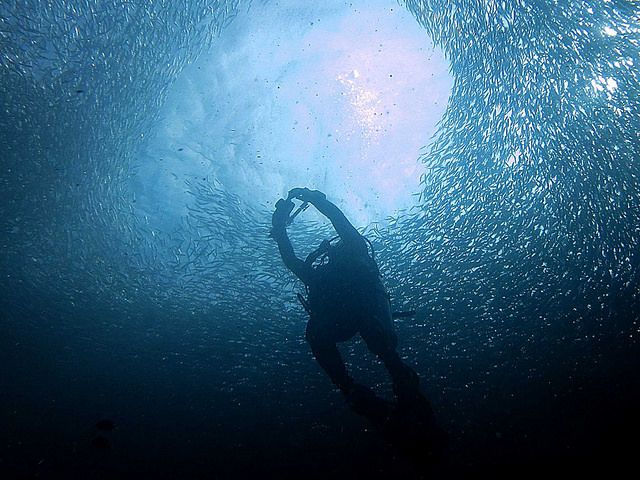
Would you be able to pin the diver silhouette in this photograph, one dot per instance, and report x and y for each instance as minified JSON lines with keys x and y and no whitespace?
{"x":346,"y":296}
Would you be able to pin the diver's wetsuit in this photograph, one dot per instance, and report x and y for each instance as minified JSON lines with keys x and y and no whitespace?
{"x":346,"y":296}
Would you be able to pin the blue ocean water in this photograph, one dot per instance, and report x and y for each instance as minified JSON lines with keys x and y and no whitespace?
{"x":520,"y":257}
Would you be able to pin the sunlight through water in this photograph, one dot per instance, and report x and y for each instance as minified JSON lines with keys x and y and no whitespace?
{"x":341,"y":97}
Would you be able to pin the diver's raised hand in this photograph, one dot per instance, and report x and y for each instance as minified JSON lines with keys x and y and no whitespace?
{"x":281,"y":215}
{"x":306,"y":195}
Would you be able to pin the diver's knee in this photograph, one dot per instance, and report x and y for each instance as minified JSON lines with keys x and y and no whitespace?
{"x":381,"y":343}
{"x":316,"y":339}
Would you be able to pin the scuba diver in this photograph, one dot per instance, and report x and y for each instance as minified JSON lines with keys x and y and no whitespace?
{"x":346,"y":296}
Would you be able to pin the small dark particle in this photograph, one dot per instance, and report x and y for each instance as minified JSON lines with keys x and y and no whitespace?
{"x":105,"y":425}
{"x":79,"y":91}
{"x":101,"y":442}
{"x":180,"y":149}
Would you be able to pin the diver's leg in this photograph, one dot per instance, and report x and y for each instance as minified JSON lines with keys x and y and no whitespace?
{"x":327,"y":355}
{"x":361,"y":399}
{"x":377,"y":332}
{"x":412,"y":427}
{"x":381,"y":342}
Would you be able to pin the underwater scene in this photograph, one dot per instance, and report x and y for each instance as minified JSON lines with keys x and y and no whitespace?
{"x":480,"y":157}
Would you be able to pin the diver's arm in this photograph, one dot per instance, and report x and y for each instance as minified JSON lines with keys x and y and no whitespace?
{"x":343,"y":226}
{"x":279,"y":234}
{"x":347,"y":232}
{"x":293,"y":263}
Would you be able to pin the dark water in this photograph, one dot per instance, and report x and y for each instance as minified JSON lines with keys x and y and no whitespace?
{"x":521,"y":260}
